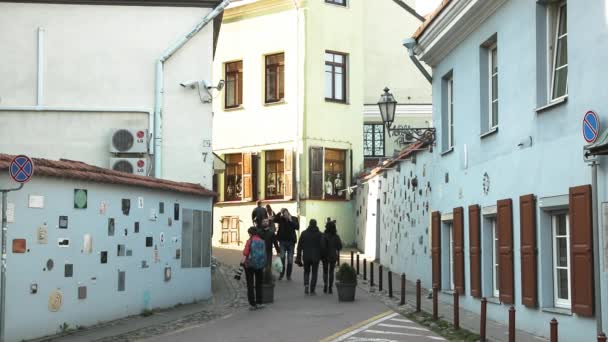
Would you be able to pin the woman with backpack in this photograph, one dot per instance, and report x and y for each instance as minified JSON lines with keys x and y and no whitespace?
{"x":254,"y":260}
{"x":330,"y":249}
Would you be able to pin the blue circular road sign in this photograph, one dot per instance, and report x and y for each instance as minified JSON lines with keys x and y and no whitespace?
{"x":591,"y":126}
{"x":21,"y":169}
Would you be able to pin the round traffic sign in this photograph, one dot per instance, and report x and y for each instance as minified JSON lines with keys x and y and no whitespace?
{"x":21,"y":169}
{"x":591,"y":126}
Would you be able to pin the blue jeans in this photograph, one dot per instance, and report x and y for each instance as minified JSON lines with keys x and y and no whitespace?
{"x":287,"y":248}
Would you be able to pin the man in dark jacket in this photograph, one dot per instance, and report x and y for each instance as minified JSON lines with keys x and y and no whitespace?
{"x":258,"y":215}
{"x":287,"y":240}
{"x":330,"y":250}
{"x":309,"y":251}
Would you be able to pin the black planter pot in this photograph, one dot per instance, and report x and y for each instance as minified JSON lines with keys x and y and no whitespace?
{"x":346,"y":291}
{"x":268,"y":293}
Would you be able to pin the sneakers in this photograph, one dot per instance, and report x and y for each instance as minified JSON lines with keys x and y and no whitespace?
{"x":324,"y":288}
{"x":281,"y":277}
{"x":306,"y":289}
{"x":253,"y":307}
{"x":288,"y":278}
{"x":261,"y":306}
{"x":330,"y":290}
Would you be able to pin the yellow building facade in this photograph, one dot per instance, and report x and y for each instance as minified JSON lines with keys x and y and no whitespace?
{"x":300,"y":82}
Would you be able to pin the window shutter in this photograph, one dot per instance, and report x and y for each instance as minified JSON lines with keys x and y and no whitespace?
{"x":459,"y":250}
{"x":288,"y":170}
{"x":436,"y":248}
{"x":527,"y":224}
{"x":475,"y":250}
{"x":505,"y":247}
{"x":316,"y":172}
{"x":581,"y":250}
{"x":247,"y":179}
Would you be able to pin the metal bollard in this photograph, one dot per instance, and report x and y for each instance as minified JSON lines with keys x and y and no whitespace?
{"x":418,"y":295}
{"x":352,"y":259}
{"x":601,"y":337}
{"x":456,"y":311}
{"x":482,"y":320}
{"x":402,"y":289}
{"x":511,"y":324}
{"x":390,"y":284}
{"x":380,"y":278}
{"x":364,"y":269}
{"x":553,"y":331}
{"x":371,"y":273}
{"x":435,"y":303}
{"x":357,"y":263}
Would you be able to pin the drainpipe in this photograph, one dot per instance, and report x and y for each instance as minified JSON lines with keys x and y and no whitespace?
{"x":596,"y":248}
{"x":160,"y":77}
{"x":409,"y":44}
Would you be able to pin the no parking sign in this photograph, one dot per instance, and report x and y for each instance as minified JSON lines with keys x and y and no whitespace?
{"x":591,"y":126}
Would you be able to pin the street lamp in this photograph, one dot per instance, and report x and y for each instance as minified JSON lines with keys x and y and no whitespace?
{"x":405,"y":135}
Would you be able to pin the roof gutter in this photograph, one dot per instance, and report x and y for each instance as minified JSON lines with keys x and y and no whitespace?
{"x":160,"y":77}
{"x":410,"y":44}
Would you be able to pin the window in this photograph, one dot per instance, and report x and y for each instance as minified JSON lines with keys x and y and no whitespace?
{"x":447,"y":113}
{"x":561,"y":260}
{"x":233,"y":187}
{"x":234,"y":84}
{"x":335,"y":76}
{"x":275,"y":77}
{"x":450,"y":113}
{"x":327,"y":173}
{"x":495,"y":258}
{"x":559,"y":74}
{"x":493,"y":85}
{"x":450,"y":255}
{"x":373,"y":140}
{"x":336,"y":2}
{"x":196,"y":239}
{"x":275,"y":175}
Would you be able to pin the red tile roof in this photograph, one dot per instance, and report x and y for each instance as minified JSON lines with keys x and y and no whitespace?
{"x":430,"y":18}
{"x":78,"y":170}
{"x":387,"y":164}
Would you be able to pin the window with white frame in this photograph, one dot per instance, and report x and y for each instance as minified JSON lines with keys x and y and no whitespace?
{"x":493,"y":85}
{"x":561,"y":260}
{"x":559,"y":51}
{"x":495,"y":258}
{"x":451,"y":112}
{"x":447,"y":112}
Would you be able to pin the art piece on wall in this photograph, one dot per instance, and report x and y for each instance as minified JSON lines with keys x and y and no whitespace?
{"x":175,"y":239}
{"x":156,"y":255}
{"x":33,"y":288}
{"x":63,"y":242}
{"x":80,"y":198}
{"x":36,"y":201}
{"x":111,"y":225}
{"x":50,"y":264}
{"x":167,"y":273}
{"x":136,"y":227}
{"x":153,"y":215}
{"x":176,"y":212}
{"x":82,"y":292}
{"x":121,"y":281}
{"x":144,"y":264}
{"x":42,"y":234}
{"x":178,"y":253}
{"x":87,"y":244}
{"x":55,"y":300}
{"x":169,"y":222}
{"x":103,"y":207}
{"x":140,"y":202}
{"x":161,"y":207}
{"x":121,"y":250}
{"x":104,"y":257}
{"x":63,"y":222}
{"x":149,"y":241}
{"x":162,"y":239}
{"x":126,"y":206}
{"x":68,"y":271}
{"x":129,"y":252}
{"x":19,"y":246}
{"x":126,"y":232}
{"x":486,"y":184}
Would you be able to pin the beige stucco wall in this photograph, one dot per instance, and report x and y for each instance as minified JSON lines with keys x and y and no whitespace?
{"x":104,"y":56}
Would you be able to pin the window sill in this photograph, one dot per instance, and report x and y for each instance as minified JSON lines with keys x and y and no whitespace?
{"x":558,"y":311}
{"x":234,"y":202}
{"x":328,"y":199}
{"x":448,"y":151}
{"x":494,"y":300}
{"x":232,"y":109}
{"x":275,"y":103}
{"x":553,"y":103}
{"x":337,"y":101}
{"x":488,"y":133}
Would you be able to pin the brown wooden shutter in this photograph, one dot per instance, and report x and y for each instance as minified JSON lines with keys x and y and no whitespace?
{"x":288,"y":171}
{"x":436,"y":248}
{"x":316,"y":172}
{"x":505,"y":247}
{"x":581,"y":250}
{"x":475,"y":250}
{"x":247,"y":178}
{"x":459,"y":250}
{"x":527,"y":225}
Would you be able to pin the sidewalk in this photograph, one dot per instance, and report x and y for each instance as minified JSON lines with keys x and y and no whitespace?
{"x":495,"y":331}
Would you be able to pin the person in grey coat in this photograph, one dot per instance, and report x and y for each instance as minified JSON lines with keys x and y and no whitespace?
{"x":309,"y":252}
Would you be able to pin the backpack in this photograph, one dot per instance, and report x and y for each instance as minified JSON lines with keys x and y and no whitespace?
{"x":257,"y":254}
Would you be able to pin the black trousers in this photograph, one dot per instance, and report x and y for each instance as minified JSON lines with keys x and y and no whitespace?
{"x":254,"y":280}
{"x":328,"y":273}
{"x":308,"y":267}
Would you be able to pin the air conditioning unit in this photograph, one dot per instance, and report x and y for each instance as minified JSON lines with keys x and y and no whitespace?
{"x":129,"y":141}
{"x":136,"y":166}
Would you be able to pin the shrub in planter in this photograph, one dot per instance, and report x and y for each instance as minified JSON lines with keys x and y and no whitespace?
{"x":346,"y":283}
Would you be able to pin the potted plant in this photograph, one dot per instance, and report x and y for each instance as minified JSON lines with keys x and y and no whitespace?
{"x":346,"y":283}
{"x":268,"y":286}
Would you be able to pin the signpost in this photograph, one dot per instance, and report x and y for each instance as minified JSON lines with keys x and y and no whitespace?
{"x":21,"y":170}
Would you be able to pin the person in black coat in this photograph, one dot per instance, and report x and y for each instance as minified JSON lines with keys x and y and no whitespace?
{"x":259,"y":215}
{"x":330,"y":247}
{"x":287,"y":240}
{"x":309,"y":251}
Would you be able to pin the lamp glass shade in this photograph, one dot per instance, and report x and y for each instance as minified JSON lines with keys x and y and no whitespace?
{"x":387,"y":105}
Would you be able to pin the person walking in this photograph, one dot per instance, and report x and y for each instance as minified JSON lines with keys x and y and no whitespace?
{"x":309,"y":251}
{"x":259,"y":215}
{"x":254,"y":261}
{"x":331,"y":244}
{"x":270,"y":215}
{"x":287,"y":240}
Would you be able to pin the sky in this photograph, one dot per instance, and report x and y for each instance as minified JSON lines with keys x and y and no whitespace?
{"x":425,"y":7}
